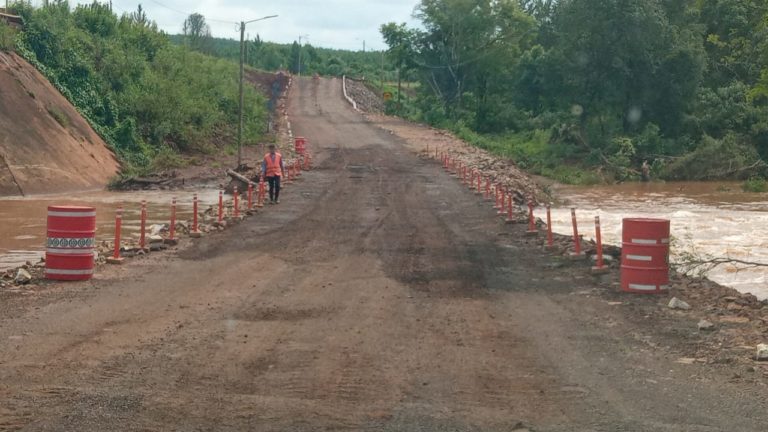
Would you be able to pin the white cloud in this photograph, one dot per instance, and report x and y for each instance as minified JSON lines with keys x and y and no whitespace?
{"x":343,"y":24}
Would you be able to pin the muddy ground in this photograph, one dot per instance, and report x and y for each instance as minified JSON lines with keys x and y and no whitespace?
{"x":379,"y":295}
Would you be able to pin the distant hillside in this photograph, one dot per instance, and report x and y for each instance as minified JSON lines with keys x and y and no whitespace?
{"x":45,"y":145}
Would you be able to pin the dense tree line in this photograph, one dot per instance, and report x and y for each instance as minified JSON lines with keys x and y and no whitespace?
{"x":148,"y":97}
{"x":308,"y":59}
{"x":597,"y":83}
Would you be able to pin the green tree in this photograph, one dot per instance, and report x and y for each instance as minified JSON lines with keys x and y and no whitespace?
{"x":197,"y":33}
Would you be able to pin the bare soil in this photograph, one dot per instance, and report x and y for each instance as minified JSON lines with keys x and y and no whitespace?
{"x":380,"y":295}
{"x":46,"y":146}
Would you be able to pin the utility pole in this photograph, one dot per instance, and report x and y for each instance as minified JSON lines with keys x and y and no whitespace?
{"x":247,"y":40}
{"x":242,"y":70}
{"x":240,"y":117}
{"x":299,"y":66}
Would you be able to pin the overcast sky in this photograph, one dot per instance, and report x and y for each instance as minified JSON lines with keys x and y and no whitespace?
{"x":342,"y":24}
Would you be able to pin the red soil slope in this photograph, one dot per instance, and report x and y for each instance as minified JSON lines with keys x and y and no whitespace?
{"x":45,"y":145}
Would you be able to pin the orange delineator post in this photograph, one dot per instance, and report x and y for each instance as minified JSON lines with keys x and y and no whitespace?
{"x":143,"y":226}
{"x":598,"y":239}
{"x":531,"y":221}
{"x":510,"y":217}
{"x":497,"y":191}
{"x":471,"y":184}
{"x":236,"y":202}
{"x":503,"y":202}
{"x":550,"y":238}
{"x":172,"y":228}
{"x":479,"y":183}
{"x":487,"y":188}
{"x":118,"y":227}
{"x":262,"y":190}
{"x":221,"y":206}
{"x":195,"y":228}
{"x":576,"y":239}
{"x":250,"y":196}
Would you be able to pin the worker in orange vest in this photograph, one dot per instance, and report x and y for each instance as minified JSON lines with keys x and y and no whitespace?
{"x":273,"y":169}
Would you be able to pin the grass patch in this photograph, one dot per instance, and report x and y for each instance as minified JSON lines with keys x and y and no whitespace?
{"x":167,"y":159}
{"x":7,"y":37}
{"x":59,"y":116}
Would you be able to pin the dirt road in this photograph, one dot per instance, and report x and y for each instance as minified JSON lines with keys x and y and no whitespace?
{"x":378,"y":296}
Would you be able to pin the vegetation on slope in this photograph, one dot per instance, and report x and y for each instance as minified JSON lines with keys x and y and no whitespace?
{"x":147,"y":97}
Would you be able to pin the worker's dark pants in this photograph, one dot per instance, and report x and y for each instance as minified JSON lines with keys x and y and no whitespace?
{"x":274,"y":188}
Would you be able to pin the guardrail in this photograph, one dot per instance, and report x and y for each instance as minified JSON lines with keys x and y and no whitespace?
{"x":346,"y":95}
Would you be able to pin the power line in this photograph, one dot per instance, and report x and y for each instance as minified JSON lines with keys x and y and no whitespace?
{"x":188,"y":13}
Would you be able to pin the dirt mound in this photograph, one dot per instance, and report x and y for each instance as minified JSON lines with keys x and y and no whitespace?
{"x":272,"y":85}
{"x":45,"y":145}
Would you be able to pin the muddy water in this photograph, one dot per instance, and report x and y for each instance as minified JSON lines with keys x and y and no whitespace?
{"x":23,"y":220}
{"x":715,"y":219}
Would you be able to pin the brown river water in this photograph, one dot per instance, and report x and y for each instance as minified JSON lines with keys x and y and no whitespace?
{"x":23,"y":220}
{"x":715,"y":219}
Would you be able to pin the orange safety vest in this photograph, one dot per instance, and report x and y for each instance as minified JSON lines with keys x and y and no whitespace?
{"x":273,"y":167}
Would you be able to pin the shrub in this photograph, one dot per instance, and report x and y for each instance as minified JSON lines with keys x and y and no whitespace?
{"x":755,"y":184}
{"x":727,"y":158}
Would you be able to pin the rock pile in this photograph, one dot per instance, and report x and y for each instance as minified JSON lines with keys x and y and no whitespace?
{"x":366,"y":99}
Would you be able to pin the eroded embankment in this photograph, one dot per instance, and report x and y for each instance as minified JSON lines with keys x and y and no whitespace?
{"x":46,"y":146}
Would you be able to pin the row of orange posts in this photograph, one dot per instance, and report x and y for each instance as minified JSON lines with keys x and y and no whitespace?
{"x":71,"y":236}
{"x":645,"y":242}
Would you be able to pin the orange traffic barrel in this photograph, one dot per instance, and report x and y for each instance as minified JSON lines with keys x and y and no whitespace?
{"x":300,"y":144}
{"x":71,"y":241}
{"x":645,"y":255}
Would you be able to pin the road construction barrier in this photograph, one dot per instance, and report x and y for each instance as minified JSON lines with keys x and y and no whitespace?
{"x":195,"y":227}
{"x":531,"y":220}
{"x":510,"y":210}
{"x":143,"y":226}
{"x":262,"y":192}
{"x":172,"y":227}
{"x":502,"y":211}
{"x":550,"y":237}
{"x":300,"y":145}
{"x":236,"y":202}
{"x":71,"y":238}
{"x":250,"y":196}
{"x":221,"y":207}
{"x":645,"y":255}
{"x":498,"y":192}
{"x":576,"y":238}
{"x":599,"y":265}
{"x":118,"y":228}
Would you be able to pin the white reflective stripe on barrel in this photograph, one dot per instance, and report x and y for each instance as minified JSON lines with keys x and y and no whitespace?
{"x":647,"y":241}
{"x":644,"y":241}
{"x":640,"y":258}
{"x":68,"y":272}
{"x":82,"y":251}
{"x":72,"y":214}
{"x":640,"y":287}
